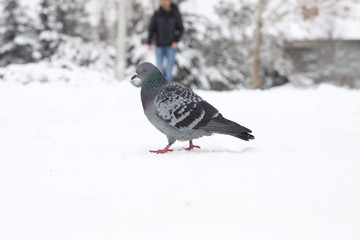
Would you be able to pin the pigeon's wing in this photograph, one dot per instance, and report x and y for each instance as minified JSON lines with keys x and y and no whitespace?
{"x":182,"y":108}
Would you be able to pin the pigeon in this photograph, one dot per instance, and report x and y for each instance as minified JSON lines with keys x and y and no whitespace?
{"x":180,"y":113}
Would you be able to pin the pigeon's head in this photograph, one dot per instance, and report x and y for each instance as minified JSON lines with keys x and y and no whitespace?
{"x":149,"y":75}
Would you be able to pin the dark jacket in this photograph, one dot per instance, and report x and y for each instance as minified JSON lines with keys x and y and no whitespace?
{"x":165,"y":27}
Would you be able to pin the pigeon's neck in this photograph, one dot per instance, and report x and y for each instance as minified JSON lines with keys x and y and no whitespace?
{"x":155,"y":80}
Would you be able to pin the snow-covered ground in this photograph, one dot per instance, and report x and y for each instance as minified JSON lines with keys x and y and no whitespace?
{"x":74,"y":164}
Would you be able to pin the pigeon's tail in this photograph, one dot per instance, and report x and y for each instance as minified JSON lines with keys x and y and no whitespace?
{"x":222,"y":125}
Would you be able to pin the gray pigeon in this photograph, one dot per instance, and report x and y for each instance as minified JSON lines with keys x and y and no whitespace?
{"x":180,"y":113}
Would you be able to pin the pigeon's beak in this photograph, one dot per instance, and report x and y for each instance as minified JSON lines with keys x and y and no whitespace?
{"x":133,"y":77}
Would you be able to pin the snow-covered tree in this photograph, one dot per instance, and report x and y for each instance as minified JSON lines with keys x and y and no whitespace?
{"x":191,"y":62}
{"x":66,"y":37}
{"x":235,"y":61}
{"x":73,"y":18}
{"x":49,"y":29}
{"x":18,"y":44}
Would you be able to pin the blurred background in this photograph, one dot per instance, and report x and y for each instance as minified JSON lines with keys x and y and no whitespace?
{"x":227,"y":44}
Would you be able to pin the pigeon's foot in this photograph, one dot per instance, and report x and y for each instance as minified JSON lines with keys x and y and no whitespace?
{"x":191,"y":146}
{"x":165,"y":150}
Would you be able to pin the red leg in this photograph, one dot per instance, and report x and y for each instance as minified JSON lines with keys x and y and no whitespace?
{"x":191,"y":146}
{"x":165,"y":150}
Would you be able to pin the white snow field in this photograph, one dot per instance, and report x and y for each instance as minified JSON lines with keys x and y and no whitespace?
{"x":74,"y":164}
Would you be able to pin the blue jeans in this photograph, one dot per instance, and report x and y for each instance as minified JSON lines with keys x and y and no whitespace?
{"x":169,"y":54}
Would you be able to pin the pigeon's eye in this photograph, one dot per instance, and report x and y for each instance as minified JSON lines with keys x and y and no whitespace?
{"x":143,"y":70}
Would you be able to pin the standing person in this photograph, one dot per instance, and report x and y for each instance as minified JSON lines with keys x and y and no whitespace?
{"x":166,"y":27}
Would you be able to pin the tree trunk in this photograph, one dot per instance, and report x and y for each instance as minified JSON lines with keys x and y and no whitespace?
{"x":256,"y":67}
{"x":121,"y":40}
{"x":155,"y":4}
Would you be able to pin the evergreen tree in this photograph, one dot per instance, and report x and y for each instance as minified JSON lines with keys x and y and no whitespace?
{"x":49,"y":30}
{"x":103,"y":30}
{"x":18,"y":37}
{"x":83,"y":28}
{"x":73,"y":18}
{"x":193,"y":67}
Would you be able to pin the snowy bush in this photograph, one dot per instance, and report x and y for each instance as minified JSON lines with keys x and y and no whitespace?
{"x":337,"y":63}
{"x":46,"y":72}
{"x":17,"y":36}
{"x":96,"y":56}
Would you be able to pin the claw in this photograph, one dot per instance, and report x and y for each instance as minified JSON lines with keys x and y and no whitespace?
{"x":191,"y":146}
{"x":165,"y":150}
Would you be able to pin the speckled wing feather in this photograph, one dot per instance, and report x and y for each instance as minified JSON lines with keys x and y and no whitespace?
{"x":182,"y":108}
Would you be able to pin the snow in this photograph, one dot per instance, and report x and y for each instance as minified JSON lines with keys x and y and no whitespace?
{"x":74,"y":164}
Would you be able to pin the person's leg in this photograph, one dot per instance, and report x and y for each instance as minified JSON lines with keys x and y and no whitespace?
{"x":160,"y":54}
{"x":170,"y":53}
